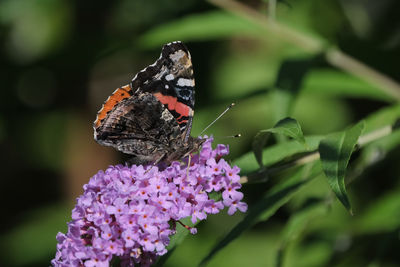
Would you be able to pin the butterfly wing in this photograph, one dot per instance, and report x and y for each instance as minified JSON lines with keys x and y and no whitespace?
{"x":142,"y":118}
{"x":138,"y":126}
{"x":119,"y":95}
{"x":170,"y":79}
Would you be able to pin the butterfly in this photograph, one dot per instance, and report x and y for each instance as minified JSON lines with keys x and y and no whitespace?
{"x":151,"y":118}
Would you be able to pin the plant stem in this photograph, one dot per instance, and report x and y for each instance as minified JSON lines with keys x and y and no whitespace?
{"x":271,"y":9}
{"x":313,"y":156}
{"x":309,"y":44}
{"x":314,"y":45}
{"x":345,"y":62}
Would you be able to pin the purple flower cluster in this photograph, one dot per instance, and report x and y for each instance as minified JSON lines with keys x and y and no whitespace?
{"x":130,"y":212}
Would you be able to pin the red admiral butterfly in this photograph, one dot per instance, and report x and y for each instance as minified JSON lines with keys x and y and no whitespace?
{"x":151,"y":118}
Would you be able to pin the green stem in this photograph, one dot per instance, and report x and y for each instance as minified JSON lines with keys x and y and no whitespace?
{"x":314,"y":45}
{"x":272,"y":9}
{"x":313,"y":156}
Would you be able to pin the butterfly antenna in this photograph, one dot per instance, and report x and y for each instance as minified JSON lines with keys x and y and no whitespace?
{"x":234,"y":136}
{"x":229,"y":136}
{"x":222,"y":114}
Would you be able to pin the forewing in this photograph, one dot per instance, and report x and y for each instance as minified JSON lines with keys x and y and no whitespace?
{"x":126,"y":119}
{"x":170,"y":79}
{"x":115,"y":98}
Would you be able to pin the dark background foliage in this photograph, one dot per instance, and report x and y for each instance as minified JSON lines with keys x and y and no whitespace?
{"x":60,"y":60}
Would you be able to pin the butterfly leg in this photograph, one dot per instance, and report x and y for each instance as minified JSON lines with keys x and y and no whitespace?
{"x":188,"y":166}
{"x":155,"y":163}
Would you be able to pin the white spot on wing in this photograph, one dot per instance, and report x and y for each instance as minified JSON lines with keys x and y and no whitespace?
{"x":174,"y":42}
{"x":169,"y":77}
{"x":185,"y":82}
{"x":166,"y":86}
{"x":166,"y":115}
{"x":177,"y":55}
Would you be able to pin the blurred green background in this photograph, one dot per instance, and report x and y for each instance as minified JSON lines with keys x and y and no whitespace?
{"x":61,"y":59}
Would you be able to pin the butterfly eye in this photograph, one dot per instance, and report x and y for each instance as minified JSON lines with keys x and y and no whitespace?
{"x":174,"y":69}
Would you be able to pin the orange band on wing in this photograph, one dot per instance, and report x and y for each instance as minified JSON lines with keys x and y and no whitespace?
{"x":182,"y":121}
{"x":182,"y":109}
{"x":173,"y":104}
{"x":115,"y":98}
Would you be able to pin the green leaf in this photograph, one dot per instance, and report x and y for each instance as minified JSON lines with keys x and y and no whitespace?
{"x":297,"y":223}
{"x":288,"y":83}
{"x":287,"y":126}
{"x":379,"y":215}
{"x":176,"y":239}
{"x":204,"y":26}
{"x":267,"y":206}
{"x":376,"y":150}
{"x":383,"y":117}
{"x":341,"y":84}
{"x":258,"y":144}
{"x":335,"y":151}
{"x":276,"y":153}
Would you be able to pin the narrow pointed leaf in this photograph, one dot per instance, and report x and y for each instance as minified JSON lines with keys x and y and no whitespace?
{"x":275,"y":153}
{"x":176,"y":239}
{"x":289,"y":82}
{"x":297,"y":224}
{"x":201,"y":26}
{"x":335,"y":151}
{"x":287,"y":126}
{"x":258,"y":144}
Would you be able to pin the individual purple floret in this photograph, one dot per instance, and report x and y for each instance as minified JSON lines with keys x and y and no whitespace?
{"x":131,"y":212}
